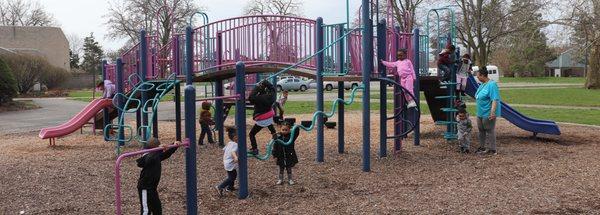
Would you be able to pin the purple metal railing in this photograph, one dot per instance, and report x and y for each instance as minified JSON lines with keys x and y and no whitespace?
{"x":118,"y":210}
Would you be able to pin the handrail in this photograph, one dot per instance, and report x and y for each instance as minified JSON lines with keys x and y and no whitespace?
{"x":118,"y":210}
{"x":315,"y":54}
{"x":294,"y":129}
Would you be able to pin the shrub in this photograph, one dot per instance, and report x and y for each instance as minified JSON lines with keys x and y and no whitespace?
{"x":54,"y":77}
{"x":8,"y":84}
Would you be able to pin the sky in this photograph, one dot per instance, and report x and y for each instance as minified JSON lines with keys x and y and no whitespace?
{"x":82,"y":17}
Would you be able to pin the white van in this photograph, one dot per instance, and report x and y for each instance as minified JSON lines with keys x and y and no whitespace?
{"x":493,"y":72}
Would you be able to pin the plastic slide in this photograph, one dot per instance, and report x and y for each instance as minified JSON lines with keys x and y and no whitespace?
{"x":513,"y":116}
{"x":77,"y":121}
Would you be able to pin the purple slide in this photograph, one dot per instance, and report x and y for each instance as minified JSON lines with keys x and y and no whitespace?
{"x":513,"y":116}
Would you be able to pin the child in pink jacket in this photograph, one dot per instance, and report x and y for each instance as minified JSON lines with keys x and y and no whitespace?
{"x":404,"y":69}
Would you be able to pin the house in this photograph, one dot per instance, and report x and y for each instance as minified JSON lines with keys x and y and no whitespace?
{"x":48,"y":42}
{"x":565,"y":66}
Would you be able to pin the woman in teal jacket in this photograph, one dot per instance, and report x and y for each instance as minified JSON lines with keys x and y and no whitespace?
{"x":488,"y":109}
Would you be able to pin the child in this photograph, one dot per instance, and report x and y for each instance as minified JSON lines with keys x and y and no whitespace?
{"x":464,"y":129}
{"x":150,"y":176}
{"x":405,"y":70}
{"x":286,"y":154}
{"x":280,"y":103}
{"x":205,"y":122}
{"x":230,"y":162}
{"x":445,"y":61}
{"x":262,"y":97}
{"x":108,"y":89}
{"x":462,"y":74}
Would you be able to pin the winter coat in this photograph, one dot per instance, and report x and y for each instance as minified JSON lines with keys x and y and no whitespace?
{"x":262,"y":101}
{"x":286,"y":154}
{"x":151,"y":168}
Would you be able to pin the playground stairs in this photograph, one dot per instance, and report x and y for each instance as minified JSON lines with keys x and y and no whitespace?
{"x":113,"y":113}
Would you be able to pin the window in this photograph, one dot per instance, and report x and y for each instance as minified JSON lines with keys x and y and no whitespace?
{"x":296,"y":80}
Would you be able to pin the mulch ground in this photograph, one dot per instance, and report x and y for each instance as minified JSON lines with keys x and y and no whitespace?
{"x":546,"y":175}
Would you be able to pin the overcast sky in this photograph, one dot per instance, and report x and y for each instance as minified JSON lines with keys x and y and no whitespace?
{"x":81,"y":17}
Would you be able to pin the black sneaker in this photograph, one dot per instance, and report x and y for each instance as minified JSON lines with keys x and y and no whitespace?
{"x":464,"y":150}
{"x":254,"y":152}
{"x":491,"y":152}
{"x":227,"y":189}
{"x":219,"y":191}
{"x":480,"y":151}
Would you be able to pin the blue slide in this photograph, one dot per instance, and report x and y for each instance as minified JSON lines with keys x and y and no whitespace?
{"x":513,"y":116}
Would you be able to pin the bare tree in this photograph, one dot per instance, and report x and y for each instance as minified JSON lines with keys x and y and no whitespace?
{"x":484,"y":22}
{"x":127,"y":17}
{"x":75,"y":43}
{"x":24,"y":13}
{"x":584,"y":18}
{"x":405,"y":12}
{"x":274,"y":7}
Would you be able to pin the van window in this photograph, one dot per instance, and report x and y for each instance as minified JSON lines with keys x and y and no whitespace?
{"x":296,"y":80}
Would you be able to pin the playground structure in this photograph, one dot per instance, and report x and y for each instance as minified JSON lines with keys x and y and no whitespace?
{"x":244,"y":47}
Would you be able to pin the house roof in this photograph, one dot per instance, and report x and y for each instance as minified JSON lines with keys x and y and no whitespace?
{"x":565,"y":60}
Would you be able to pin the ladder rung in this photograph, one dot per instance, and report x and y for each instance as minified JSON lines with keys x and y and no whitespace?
{"x":444,"y":97}
{"x":449,"y":110}
{"x":444,"y":122}
{"x":448,"y":83}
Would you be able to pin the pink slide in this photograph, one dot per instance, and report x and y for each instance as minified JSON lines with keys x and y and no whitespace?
{"x":88,"y":112}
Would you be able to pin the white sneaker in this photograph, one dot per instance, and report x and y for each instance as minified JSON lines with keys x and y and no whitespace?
{"x":279,"y":182}
{"x":412,"y":104}
{"x":291,"y":182}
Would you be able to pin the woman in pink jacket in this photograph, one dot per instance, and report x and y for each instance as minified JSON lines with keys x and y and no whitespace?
{"x":404,"y":69}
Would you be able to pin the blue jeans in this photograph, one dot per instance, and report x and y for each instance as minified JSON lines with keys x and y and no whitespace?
{"x":230,"y":180}
{"x":444,"y":72}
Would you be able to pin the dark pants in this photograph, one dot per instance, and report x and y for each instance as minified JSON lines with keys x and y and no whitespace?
{"x":445,"y":72}
{"x":149,"y":202}
{"x":255,"y":129}
{"x":205,"y":130}
{"x":289,"y":172}
{"x":230,"y":180}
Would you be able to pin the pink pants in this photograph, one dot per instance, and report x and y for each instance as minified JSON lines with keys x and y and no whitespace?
{"x":408,"y":82}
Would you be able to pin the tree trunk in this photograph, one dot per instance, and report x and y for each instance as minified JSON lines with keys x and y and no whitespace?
{"x":592,"y":80}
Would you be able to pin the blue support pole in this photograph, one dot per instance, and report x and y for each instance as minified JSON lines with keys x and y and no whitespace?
{"x":178,"y":112}
{"x":219,"y":115}
{"x":143,"y":73}
{"x":191,"y":175}
{"x":367,"y":66}
{"x":341,"y":66}
{"x":381,"y":53}
{"x":120,"y":102}
{"x":105,"y":116}
{"x":417,"y":86}
{"x":397,"y":102}
{"x":320,"y":69}
{"x":240,"y":122}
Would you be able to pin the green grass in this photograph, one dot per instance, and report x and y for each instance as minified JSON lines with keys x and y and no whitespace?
{"x":86,"y":96}
{"x":553,"y":96}
{"x":544,"y":80}
{"x":589,"y":117}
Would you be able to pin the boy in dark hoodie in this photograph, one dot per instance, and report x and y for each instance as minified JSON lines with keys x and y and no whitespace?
{"x":445,"y":61}
{"x":262,"y":97}
{"x":150,"y":176}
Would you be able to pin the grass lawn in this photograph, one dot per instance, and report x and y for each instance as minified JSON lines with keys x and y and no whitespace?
{"x":553,"y":96}
{"x":18,"y":106}
{"x":544,"y":80}
{"x":589,"y":117}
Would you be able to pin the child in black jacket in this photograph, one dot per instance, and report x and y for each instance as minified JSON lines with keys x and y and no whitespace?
{"x":150,"y":177}
{"x":286,"y":154}
{"x":262,"y":97}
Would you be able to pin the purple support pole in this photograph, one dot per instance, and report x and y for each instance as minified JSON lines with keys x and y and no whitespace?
{"x":240,"y":122}
{"x":143,"y":73}
{"x":191,"y":176}
{"x":105,"y":115}
{"x":120,"y":102}
{"x":341,"y":65}
{"x":417,"y":94}
{"x":397,"y":102}
{"x":381,"y":53}
{"x":320,"y":68}
{"x":367,"y":66}
{"x":118,"y":210}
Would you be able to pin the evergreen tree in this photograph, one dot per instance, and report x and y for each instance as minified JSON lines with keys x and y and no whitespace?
{"x":8,"y":84}
{"x":73,"y":60}
{"x":92,"y":55}
{"x":528,"y":47}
